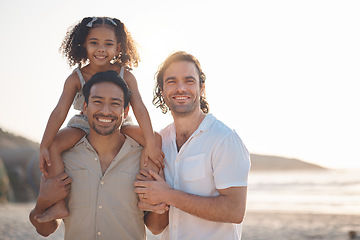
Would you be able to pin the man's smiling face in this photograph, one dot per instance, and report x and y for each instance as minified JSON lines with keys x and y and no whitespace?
{"x":181,"y":89}
{"x":105,"y":108}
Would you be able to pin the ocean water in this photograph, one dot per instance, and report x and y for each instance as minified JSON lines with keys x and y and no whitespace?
{"x":327,"y":191}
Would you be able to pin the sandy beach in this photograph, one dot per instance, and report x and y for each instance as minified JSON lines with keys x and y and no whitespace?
{"x":296,"y":226}
{"x":14,"y":225}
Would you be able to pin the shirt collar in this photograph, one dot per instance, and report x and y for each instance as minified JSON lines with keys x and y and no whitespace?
{"x":83,"y":140}
{"x":203,"y":127}
{"x":86,"y":142}
{"x":128,"y":140}
{"x":206,"y":123}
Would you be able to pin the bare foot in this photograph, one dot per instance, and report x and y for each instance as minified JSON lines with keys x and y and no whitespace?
{"x":57,"y":211}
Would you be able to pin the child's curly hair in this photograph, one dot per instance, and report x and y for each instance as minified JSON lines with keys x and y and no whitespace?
{"x":72,"y":46}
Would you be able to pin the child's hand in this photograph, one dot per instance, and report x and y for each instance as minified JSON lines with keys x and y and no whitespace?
{"x":44,"y":160}
{"x":153,"y":153}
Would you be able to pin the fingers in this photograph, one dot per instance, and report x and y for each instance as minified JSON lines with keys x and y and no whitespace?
{"x":160,"y":163}
{"x":143,"y":175}
{"x":139,"y":190}
{"x":157,"y":162}
{"x":46,"y":156}
{"x":146,"y":161}
{"x":62,"y":176}
{"x":159,"y":208}
{"x":160,"y":160}
{"x":67,"y":181}
{"x":47,"y":159}
{"x":161,"y":174}
{"x":42,"y":169}
{"x":42,"y":165}
{"x":42,"y":178}
{"x":155,"y":175}
{"x":145,"y":206}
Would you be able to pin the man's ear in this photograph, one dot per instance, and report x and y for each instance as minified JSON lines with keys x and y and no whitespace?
{"x":85,"y":109}
{"x":202,"y":90}
{"x":126,"y":112}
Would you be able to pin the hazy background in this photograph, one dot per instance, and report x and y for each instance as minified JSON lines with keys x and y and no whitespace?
{"x":284,"y":74}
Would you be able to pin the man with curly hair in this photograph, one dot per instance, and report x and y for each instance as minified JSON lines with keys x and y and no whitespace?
{"x":206,"y":162}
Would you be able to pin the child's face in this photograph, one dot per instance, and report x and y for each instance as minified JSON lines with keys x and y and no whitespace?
{"x":101,"y":45}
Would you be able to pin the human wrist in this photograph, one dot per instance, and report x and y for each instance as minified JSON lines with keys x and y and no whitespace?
{"x":43,"y":146}
{"x":170,"y":197}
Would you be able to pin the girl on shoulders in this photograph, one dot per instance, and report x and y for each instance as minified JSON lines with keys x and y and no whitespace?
{"x":96,"y":44}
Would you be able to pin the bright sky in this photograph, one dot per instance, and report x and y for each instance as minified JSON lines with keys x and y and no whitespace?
{"x":283,"y":74}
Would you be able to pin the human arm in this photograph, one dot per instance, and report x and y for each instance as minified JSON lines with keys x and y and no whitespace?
{"x":51,"y":191}
{"x":57,"y":118}
{"x":228,"y":206}
{"x":151,"y":150}
{"x":157,"y":216}
{"x":136,"y":133}
{"x":226,"y":165}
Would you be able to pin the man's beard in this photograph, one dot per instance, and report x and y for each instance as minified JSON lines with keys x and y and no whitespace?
{"x":106,"y":131}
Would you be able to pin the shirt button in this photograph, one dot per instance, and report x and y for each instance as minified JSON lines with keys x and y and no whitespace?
{"x":95,"y":159}
{"x":100,"y":207}
{"x":102,"y":183}
{"x":99,"y":233}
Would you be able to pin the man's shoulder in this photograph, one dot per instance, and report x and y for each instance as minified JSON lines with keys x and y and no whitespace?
{"x":165,"y":132}
{"x":83,"y":143}
{"x":132,"y":143}
{"x":218,"y":127}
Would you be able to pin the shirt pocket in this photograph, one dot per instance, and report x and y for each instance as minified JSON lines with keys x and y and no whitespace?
{"x":193,"y":168}
{"x":123,"y":193}
{"x":79,"y":196}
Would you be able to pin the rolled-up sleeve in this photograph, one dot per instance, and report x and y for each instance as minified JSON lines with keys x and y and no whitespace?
{"x":231,"y":162}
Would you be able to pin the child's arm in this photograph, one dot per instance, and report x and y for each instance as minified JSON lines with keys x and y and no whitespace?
{"x":151,"y":150}
{"x":57,"y":118}
{"x":135,"y":132}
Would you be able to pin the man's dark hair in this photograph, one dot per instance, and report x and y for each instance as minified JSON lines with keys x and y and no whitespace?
{"x":108,"y":76}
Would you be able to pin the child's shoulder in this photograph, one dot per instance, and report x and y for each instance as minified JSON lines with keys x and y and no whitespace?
{"x":118,"y":67}
{"x":124,"y":72}
{"x":74,"y":78}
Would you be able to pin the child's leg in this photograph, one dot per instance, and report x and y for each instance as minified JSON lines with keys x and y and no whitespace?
{"x":64,"y":140}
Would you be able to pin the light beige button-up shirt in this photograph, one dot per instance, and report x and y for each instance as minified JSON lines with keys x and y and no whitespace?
{"x":103,"y":206}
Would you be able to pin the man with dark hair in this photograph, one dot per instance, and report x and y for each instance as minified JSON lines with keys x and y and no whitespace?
{"x":103,"y":167}
{"x":206,"y":163}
